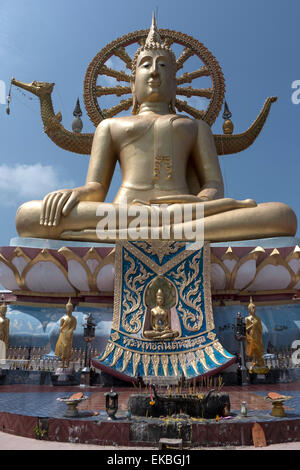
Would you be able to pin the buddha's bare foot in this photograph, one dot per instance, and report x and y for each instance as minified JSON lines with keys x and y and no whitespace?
{"x":140,"y":202}
{"x":247,"y":203}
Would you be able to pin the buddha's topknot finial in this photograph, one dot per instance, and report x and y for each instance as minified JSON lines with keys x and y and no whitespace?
{"x":153,"y":40}
{"x":159,"y":293}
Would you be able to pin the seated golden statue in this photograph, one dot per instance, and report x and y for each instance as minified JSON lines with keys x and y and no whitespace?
{"x":254,"y":342}
{"x":160,"y":320}
{"x":157,"y":149}
{"x":68,"y":324}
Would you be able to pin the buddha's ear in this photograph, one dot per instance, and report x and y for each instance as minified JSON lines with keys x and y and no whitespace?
{"x":172,"y":105}
{"x":135,"y":106}
{"x":132,"y":86}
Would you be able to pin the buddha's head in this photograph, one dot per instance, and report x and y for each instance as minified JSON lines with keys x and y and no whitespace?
{"x":251,"y":307}
{"x":69,"y":307}
{"x":160,"y":298}
{"x":153,"y":72}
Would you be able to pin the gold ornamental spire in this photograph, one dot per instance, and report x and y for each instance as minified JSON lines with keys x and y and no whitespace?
{"x":153,"y":39}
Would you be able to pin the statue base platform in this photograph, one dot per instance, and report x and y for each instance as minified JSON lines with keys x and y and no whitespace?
{"x":40,"y":275}
{"x":261,"y":376}
{"x":64,"y":376}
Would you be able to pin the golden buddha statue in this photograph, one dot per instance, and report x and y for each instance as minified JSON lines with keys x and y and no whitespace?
{"x":68,"y":324}
{"x":254,"y":342}
{"x":160,"y":320}
{"x":4,"y":324}
{"x":158,"y":151}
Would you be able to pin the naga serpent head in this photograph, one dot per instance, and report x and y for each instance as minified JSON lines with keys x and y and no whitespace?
{"x":37,"y":88}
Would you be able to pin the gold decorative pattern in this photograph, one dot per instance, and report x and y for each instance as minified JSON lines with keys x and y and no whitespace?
{"x":121,"y":52}
{"x":126,"y":358}
{"x":117,"y":354}
{"x":161,"y":248}
{"x":188,"y":77}
{"x":115,"y":336}
{"x":193,"y":361}
{"x":211,"y":335}
{"x":135,"y":362}
{"x":220,"y":348}
{"x":174,"y":362}
{"x":186,"y":54}
{"x":182,"y":361}
{"x":109,"y":348}
{"x":146,"y":362}
{"x":201,"y":356}
{"x":118,"y":90}
{"x":167,"y":161}
{"x":155,"y":358}
{"x":210,"y":352}
{"x":135,"y":322}
{"x":210,"y":324}
{"x":165,"y":363}
{"x":192,"y":321}
{"x":132,"y":308}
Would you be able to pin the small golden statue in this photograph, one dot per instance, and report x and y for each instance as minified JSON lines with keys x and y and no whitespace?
{"x":254,"y":342}
{"x":68,"y":324}
{"x":160,"y":320}
{"x":4,"y":324}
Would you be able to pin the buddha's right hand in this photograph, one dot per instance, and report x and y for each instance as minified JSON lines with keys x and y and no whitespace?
{"x":58,"y":203}
{"x":61,"y":202}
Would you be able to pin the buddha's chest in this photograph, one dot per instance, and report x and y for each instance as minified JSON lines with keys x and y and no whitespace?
{"x":161,"y":136}
{"x":159,"y":316}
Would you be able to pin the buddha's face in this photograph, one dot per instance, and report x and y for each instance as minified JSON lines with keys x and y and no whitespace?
{"x":69,"y":309}
{"x":159,"y":300}
{"x":154,"y":77}
{"x":252,"y":310}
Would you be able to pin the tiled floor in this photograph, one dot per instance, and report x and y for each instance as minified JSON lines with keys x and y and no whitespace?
{"x":42,"y":401}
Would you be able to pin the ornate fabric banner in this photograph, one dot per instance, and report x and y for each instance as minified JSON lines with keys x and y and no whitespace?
{"x":163,"y":320}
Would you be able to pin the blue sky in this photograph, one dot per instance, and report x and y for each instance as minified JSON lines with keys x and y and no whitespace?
{"x":256,"y":43}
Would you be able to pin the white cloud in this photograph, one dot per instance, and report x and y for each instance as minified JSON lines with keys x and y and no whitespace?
{"x":2,"y":92}
{"x":24,"y":182}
